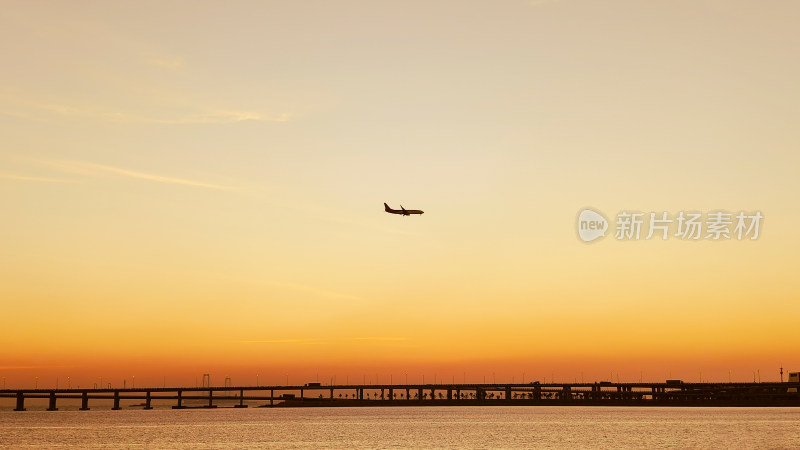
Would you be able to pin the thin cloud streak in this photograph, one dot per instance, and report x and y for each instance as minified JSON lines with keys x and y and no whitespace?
{"x":320,"y":292}
{"x":380,"y":338}
{"x":32,"y":367}
{"x":226,"y":116}
{"x":24,"y":109}
{"x":166,"y":63}
{"x":281,"y":341}
{"x":211,"y":116}
{"x":332,"y":216}
{"x":535,"y":3}
{"x":311,"y":289}
{"x":9,"y":176}
{"x":16,"y":114}
{"x":367,"y":225}
{"x":321,"y":341}
{"x":93,"y":169}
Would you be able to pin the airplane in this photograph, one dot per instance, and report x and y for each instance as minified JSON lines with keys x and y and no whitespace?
{"x":402,"y":211}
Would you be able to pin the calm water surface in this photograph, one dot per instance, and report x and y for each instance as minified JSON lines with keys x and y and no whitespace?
{"x":448,"y":427}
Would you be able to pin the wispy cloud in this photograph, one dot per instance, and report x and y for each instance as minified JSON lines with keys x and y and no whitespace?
{"x":366,"y":224}
{"x":323,"y":341}
{"x":226,"y":116}
{"x":327,"y":214}
{"x":166,"y":63}
{"x":9,"y":176}
{"x":311,"y":289}
{"x":21,"y":367}
{"x":281,"y":341}
{"x":63,"y":110}
{"x":208,"y":116}
{"x":93,"y":169}
{"x":542,"y":2}
{"x":380,"y":338}
{"x":17,"y":114}
{"x":18,"y":106}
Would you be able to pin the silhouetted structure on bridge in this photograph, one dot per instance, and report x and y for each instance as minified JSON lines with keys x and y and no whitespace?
{"x":669,"y":393}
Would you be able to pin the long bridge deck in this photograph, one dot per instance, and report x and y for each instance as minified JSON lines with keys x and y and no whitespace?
{"x":600,"y":393}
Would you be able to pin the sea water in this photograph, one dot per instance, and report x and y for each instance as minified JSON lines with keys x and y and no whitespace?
{"x":414,"y":427}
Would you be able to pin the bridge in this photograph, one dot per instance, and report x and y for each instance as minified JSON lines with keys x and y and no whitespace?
{"x":670,"y":393}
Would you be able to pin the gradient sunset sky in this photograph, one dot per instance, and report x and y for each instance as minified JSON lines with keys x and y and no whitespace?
{"x":195,"y":187}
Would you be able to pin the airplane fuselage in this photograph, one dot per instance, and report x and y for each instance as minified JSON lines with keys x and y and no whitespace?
{"x":402,"y":211}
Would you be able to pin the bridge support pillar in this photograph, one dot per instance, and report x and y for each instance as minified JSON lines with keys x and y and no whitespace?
{"x":84,"y":401}
{"x":271,"y":397}
{"x":116,"y":401}
{"x":480,"y":394}
{"x":301,"y":394}
{"x":361,"y":394}
{"x":180,"y":401}
{"x":408,"y":394}
{"x":241,"y":400}
{"x":433,"y":394}
{"x":331,"y":393}
{"x":52,"y":405}
{"x":20,"y":402}
{"x":508,"y":393}
{"x":391,"y":394}
{"x":147,"y":401}
{"x":419,"y":394}
{"x":449,"y":394}
{"x":382,"y":396}
{"x":210,"y":399}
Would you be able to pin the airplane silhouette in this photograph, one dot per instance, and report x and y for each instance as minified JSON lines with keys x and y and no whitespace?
{"x":402,"y":211}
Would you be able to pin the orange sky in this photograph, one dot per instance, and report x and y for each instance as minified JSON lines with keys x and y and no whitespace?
{"x":194,"y":188}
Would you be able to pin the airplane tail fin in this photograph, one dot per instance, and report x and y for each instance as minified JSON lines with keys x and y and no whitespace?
{"x":386,"y":207}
